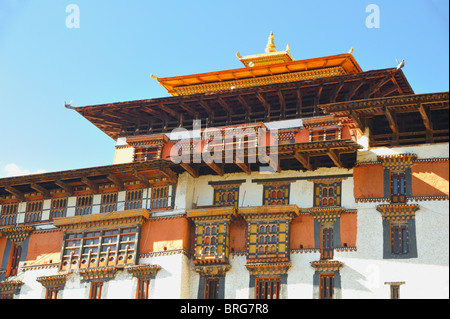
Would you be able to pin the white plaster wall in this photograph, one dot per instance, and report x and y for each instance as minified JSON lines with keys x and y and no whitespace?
{"x":300,"y":275}
{"x":31,"y":288}
{"x":172,"y":280}
{"x":237,"y":279}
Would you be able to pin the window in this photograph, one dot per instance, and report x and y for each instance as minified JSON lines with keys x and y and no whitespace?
{"x":146,"y":154}
{"x":324,"y":135}
{"x":211,"y":288}
{"x":142,"y":287}
{"x":34,"y":211}
{"x":133,"y":199}
{"x":226,"y":196}
{"x":399,"y":238}
{"x":59,"y":207}
{"x":327,"y":194}
{"x":96,"y":290}
{"x":276,"y":195}
{"x":326,"y":286}
{"x":15,"y":259}
{"x":267,"y":239}
{"x":210,"y":240}
{"x":268,"y":288}
{"x":398,"y":188}
{"x":99,"y":248}
{"x":395,"y":291}
{"x":84,"y":205}
{"x":52,"y":293}
{"x":327,"y":243}
{"x":160,"y":197}
{"x":8,"y":214}
{"x":109,"y":202}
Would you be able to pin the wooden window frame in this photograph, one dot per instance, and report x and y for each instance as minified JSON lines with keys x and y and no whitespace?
{"x":33,"y":212}
{"x":160,"y":197}
{"x":265,"y":286}
{"x":143,"y":154}
{"x":398,"y":187}
{"x":100,"y":248}
{"x":324,"y":199}
{"x":8,"y":215}
{"x":96,"y":290}
{"x":398,"y":243}
{"x":326,"y":286}
{"x":282,"y":194}
{"x":58,"y":208}
{"x":84,"y":205}
{"x":52,"y":292}
{"x":211,"y":290}
{"x":267,"y":239}
{"x":16,"y":252}
{"x":133,"y":199}
{"x":395,"y":291}
{"x":226,"y":196}
{"x":109,"y":202}
{"x":143,"y":284}
{"x":327,"y":240}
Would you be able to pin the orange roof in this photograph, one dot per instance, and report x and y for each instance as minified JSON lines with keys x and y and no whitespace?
{"x":261,"y":75}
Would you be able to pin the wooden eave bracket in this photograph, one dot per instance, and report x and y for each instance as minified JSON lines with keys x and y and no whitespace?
{"x":117,"y":182}
{"x":191,"y":170}
{"x":90,"y":184}
{"x":304,"y":160}
{"x":15,"y":192}
{"x":66,"y":187}
{"x":335,"y":157}
{"x":141,"y":178}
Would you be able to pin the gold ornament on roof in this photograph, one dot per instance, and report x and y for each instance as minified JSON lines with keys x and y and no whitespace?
{"x":270,"y":47}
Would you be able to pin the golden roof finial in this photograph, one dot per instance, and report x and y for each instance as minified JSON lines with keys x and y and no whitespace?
{"x":270,"y":47}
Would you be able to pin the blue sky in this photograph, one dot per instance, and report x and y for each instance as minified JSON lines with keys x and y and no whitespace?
{"x":109,"y":58}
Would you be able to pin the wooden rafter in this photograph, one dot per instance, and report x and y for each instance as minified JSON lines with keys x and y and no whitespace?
{"x":391,"y":117}
{"x":168,"y":110}
{"x":299,"y":103}
{"x":378,"y":86}
{"x":15,"y":192}
{"x":66,"y":187}
{"x":224,"y":105}
{"x":335,"y":157}
{"x":117,"y":182}
{"x":90,"y":184}
{"x":141,"y":178}
{"x":355,"y":89}
{"x":191,"y":170}
{"x":304,"y":160}
{"x":282,"y":104}
{"x":336,"y":92}
{"x":215,"y":168}
{"x":45,"y":192}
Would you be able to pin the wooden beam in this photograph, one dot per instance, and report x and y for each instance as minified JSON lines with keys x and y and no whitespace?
{"x":282,"y":104}
{"x":378,"y":86}
{"x":304,"y":160}
{"x":224,"y":105}
{"x":263,"y":101}
{"x":141,"y":178}
{"x":189,"y":109}
{"x":317,"y":98}
{"x":391,"y":117}
{"x":206,"y":107}
{"x":215,"y":168}
{"x":15,"y":192}
{"x":425,"y":113}
{"x":392,"y":90}
{"x":45,"y":192}
{"x":117,"y":182}
{"x":244,"y":167}
{"x":191,"y":170}
{"x":244,"y":103}
{"x":355,"y":118}
{"x":90,"y":183}
{"x":355,"y":89}
{"x":66,"y":187}
{"x":168,"y":110}
{"x":335,"y":157}
{"x":299,"y":103}
{"x":169,"y":174}
{"x":336,"y":93}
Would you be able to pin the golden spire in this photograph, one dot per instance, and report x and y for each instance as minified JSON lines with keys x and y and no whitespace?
{"x":270,"y":47}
